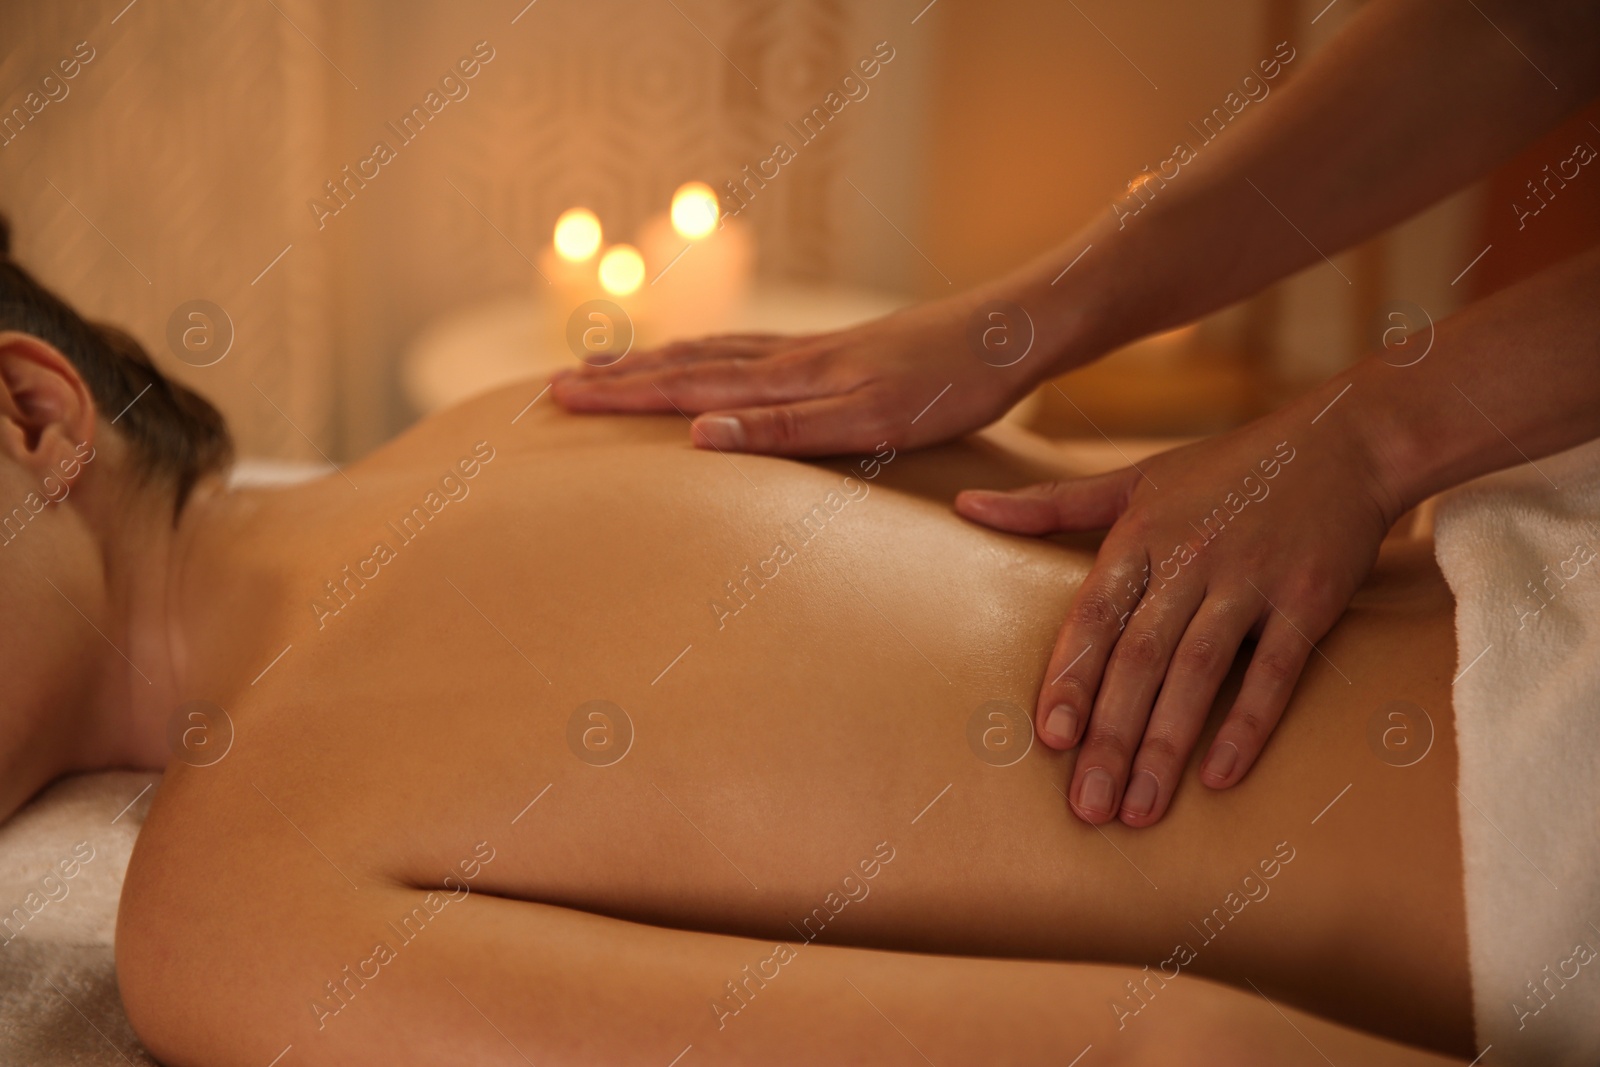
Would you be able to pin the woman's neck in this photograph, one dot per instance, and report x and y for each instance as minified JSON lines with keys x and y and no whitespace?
{"x":168,"y":584}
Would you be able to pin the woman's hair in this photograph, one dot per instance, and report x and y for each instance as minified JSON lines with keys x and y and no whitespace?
{"x":176,"y":435}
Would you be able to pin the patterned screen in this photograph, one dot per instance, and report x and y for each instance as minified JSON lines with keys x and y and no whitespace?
{"x":184,"y":160}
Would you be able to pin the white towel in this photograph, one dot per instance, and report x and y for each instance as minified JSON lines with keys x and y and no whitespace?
{"x":1521,"y":551}
{"x":62,"y":859}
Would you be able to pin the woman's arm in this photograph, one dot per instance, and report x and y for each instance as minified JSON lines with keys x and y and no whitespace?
{"x":1412,"y":101}
{"x":489,"y":980}
{"x":1510,"y":380}
{"x":1270,"y":529}
{"x":1415,"y":99}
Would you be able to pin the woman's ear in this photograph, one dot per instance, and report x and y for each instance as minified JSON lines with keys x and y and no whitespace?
{"x":47,"y":415}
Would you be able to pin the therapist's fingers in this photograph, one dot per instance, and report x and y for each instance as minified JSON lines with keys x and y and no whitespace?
{"x":824,"y":426}
{"x":1198,"y":667}
{"x":1084,"y":645}
{"x":691,"y":388}
{"x":700,"y":349}
{"x":1090,"y":503}
{"x":1274,"y":668}
{"x":1132,"y":678}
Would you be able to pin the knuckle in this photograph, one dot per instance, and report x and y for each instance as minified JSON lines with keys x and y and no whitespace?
{"x":1139,"y":650}
{"x":796,"y":364}
{"x":1135,"y":526}
{"x":1095,"y":609}
{"x":1252,"y":724}
{"x":1105,"y":740}
{"x":826,"y":364}
{"x":675,"y":376}
{"x":669,"y":383}
{"x":1199,"y":655}
{"x":784,"y":427}
{"x":1159,"y":750}
{"x":1275,"y":669}
{"x":1305,"y":595}
{"x":1318,"y":576}
{"x":675,"y":354}
{"x":1254,"y":562}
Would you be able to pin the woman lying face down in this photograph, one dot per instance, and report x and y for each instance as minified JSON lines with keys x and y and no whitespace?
{"x":100,"y":453}
{"x":489,"y":776}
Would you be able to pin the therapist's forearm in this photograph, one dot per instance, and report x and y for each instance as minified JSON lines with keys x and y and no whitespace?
{"x":1413,"y":101}
{"x":1513,"y":378}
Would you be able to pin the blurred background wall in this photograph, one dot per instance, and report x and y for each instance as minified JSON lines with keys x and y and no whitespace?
{"x":182,"y":162}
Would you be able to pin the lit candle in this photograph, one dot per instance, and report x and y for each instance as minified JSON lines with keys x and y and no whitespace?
{"x":567,"y":273}
{"x":694,"y":210}
{"x":567,"y":264}
{"x":697,"y":263}
{"x":621,"y":270}
{"x":577,"y":235}
{"x":700,"y":265}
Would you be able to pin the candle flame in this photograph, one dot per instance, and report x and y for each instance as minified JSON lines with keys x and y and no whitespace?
{"x":694,"y":210}
{"x":621,"y":270}
{"x":577,"y":234}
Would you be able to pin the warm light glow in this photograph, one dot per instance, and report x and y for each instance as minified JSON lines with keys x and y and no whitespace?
{"x":694,"y":210}
{"x":577,"y":234}
{"x":621,"y":270}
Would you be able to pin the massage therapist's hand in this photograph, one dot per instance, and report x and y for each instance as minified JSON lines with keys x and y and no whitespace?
{"x":1266,"y":531}
{"x":912,"y":378}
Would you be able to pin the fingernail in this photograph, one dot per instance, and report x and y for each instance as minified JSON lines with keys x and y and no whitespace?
{"x":720,"y":431}
{"x":1141,"y":794}
{"x":1061,"y":724}
{"x":1095,"y":796}
{"x":562,"y":373}
{"x":1220,"y":763}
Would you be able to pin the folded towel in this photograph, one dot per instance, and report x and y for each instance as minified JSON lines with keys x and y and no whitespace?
{"x":62,"y":859}
{"x":1521,"y":551}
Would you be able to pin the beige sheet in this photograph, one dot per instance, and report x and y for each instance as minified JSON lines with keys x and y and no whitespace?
{"x":58,"y":985}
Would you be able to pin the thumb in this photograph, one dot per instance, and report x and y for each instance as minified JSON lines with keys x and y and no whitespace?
{"x":1092,"y":503}
{"x":819,"y":427}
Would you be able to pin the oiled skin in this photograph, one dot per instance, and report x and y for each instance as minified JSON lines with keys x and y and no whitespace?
{"x":788,"y":741}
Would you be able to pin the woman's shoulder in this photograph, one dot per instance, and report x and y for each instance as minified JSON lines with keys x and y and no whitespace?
{"x":522,"y":416}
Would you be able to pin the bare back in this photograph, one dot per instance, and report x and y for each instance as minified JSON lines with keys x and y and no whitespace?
{"x":712,"y":692}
